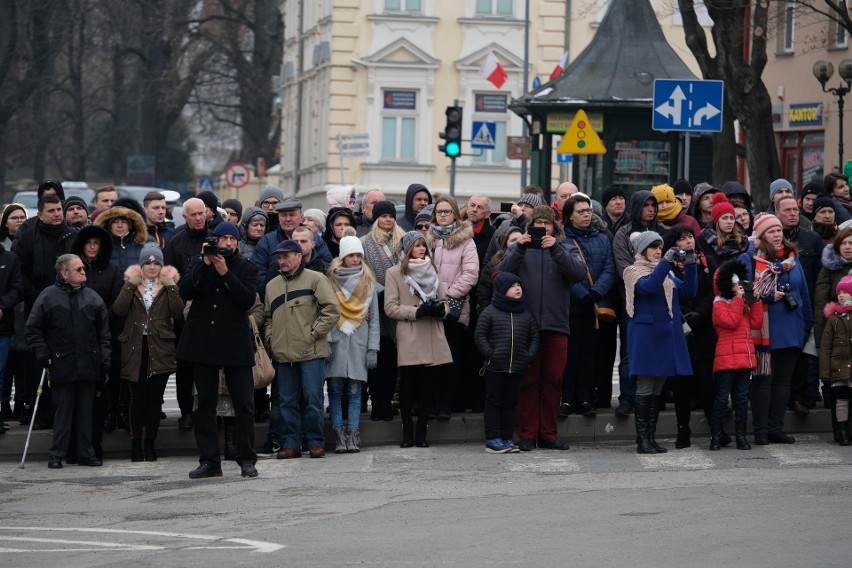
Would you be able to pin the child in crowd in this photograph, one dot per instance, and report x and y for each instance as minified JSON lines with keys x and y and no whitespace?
{"x":735,"y":314}
{"x":508,"y":338}
{"x":835,"y":354}
{"x":354,"y":342}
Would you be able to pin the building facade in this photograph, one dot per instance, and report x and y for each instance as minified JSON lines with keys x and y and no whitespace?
{"x":380,"y":73}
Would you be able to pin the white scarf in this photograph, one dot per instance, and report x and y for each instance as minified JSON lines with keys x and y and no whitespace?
{"x":422,"y":279}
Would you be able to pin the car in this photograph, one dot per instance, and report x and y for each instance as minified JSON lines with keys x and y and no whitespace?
{"x":29,"y":199}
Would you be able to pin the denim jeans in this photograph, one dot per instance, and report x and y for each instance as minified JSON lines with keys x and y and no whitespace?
{"x":335,"y":397}
{"x":301,"y":382}
{"x":727,"y":382}
{"x":5,"y":340}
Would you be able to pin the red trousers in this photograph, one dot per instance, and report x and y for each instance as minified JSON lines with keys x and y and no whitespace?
{"x":538,"y":403}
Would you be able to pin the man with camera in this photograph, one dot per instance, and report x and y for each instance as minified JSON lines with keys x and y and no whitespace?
{"x":547,"y":266}
{"x":217,"y":335}
{"x":301,"y":308}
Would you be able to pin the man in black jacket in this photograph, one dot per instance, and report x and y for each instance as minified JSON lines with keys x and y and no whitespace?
{"x":77,"y":362}
{"x":217,"y":335}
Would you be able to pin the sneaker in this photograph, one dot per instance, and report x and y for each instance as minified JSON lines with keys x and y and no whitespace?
{"x":564,"y":410}
{"x":527,"y":445}
{"x":269,"y":450}
{"x":496,"y":446}
{"x":586,"y":409}
{"x":552,"y":444}
{"x":513,"y":448}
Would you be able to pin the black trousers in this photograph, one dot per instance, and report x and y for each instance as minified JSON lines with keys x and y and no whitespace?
{"x":447,"y":382}
{"x":416,"y":382}
{"x":578,"y":379}
{"x":145,"y":399}
{"x":770,"y":393}
{"x":74,"y":404}
{"x":501,"y":398}
{"x":15,"y":373}
{"x":382,"y":380}
{"x":605,"y":350}
{"x":241,"y":388}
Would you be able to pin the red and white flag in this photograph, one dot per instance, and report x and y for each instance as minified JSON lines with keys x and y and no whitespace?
{"x":493,"y":71}
{"x":560,"y":67}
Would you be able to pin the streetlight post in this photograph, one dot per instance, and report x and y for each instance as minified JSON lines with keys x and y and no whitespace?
{"x":823,"y":70}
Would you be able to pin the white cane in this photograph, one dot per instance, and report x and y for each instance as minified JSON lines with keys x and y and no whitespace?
{"x":32,"y":420}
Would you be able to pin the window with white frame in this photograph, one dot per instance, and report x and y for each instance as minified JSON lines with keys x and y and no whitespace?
{"x":789,"y":23}
{"x":489,"y":107}
{"x":412,"y":6}
{"x":399,"y":125}
{"x":494,"y":7}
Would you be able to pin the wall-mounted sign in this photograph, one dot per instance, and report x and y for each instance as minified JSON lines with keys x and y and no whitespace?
{"x":805,"y":114}
{"x":490,"y":103}
{"x":400,"y":100}
{"x":777,"y":116}
{"x":559,"y":122}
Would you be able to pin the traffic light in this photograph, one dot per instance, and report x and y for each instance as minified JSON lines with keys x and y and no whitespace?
{"x":452,"y":133}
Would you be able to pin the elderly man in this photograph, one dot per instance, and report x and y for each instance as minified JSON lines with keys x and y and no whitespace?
{"x":301,"y":309}
{"x":217,"y":336}
{"x":364,"y":219}
{"x":77,"y":362}
{"x":479,"y":215}
{"x":561,"y":195}
{"x":289,"y":217}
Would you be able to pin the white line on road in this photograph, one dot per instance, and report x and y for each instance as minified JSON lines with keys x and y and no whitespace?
{"x":795,"y":454}
{"x":687,"y":458}
{"x":546,"y":466}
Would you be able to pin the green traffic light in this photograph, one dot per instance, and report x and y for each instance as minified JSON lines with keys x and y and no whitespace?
{"x":452,"y":149}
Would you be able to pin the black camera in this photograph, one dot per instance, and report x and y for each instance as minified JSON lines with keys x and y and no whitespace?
{"x":789,"y":299}
{"x":211,"y":247}
{"x":748,"y":287}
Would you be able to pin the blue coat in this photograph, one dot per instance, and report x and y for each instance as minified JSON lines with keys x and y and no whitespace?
{"x":787,"y":328}
{"x":597,"y":252}
{"x":656,"y":345}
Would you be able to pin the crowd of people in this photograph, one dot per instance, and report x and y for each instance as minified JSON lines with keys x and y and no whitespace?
{"x":433,"y":311}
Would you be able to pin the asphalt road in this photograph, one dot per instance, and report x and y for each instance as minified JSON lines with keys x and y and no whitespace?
{"x":594,"y":505}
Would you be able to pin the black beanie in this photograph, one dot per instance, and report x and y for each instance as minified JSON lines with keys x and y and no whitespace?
{"x":235,"y":205}
{"x":682,"y":186}
{"x":503,"y":281}
{"x":823,"y":201}
{"x":209,"y":199}
{"x":812,"y":187}
{"x":612,"y":191}
{"x":384,"y":208}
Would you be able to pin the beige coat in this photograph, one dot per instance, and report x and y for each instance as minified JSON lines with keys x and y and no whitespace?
{"x":418,"y":342}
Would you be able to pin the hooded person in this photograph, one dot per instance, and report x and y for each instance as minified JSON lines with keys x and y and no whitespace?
{"x":737,"y":194}
{"x":414,"y":203}
{"x":341,"y":196}
{"x":701,"y":202}
{"x":670,"y":211}
{"x":252,"y":227}
{"x":94,"y":244}
{"x":129,"y":234}
{"x":336,"y":221}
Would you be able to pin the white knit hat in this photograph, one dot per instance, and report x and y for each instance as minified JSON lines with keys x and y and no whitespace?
{"x":350,"y":245}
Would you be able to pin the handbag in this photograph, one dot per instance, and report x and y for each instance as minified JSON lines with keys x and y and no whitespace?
{"x":605,"y":307}
{"x":454,"y":308}
{"x":263,"y":372}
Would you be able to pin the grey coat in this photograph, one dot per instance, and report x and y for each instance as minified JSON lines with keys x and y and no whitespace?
{"x":348,"y":356}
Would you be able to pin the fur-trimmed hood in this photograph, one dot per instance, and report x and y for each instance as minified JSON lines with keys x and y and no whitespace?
{"x":832,"y":260}
{"x":725,"y":275}
{"x":462,"y":234}
{"x":93,"y":232}
{"x":137,"y":223}
{"x":167,"y":271}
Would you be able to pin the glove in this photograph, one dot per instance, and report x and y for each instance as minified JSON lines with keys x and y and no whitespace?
{"x":372,"y":358}
{"x":593,"y":297}
{"x":689,"y":257}
{"x":423,"y":311}
{"x":136,"y":280}
{"x":671,"y":255}
{"x":692,"y":318}
{"x":439,"y":310}
{"x":44,"y":362}
{"x":167,"y":281}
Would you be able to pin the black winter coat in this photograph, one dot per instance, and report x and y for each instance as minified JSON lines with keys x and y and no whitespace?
{"x":183,"y":247}
{"x":11,"y":290}
{"x":70,"y":328}
{"x":38,"y":270}
{"x":508,"y":341}
{"x":810,"y":247}
{"x":102,"y":276}
{"x":217,"y":329}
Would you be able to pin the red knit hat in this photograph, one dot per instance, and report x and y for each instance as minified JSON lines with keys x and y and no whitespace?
{"x":721,"y":206}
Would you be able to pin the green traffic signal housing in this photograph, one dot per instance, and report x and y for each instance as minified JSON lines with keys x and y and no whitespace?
{"x":452,"y":133}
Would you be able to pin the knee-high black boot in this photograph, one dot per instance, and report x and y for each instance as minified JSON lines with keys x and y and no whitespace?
{"x":640,"y":413}
{"x":653,"y":414}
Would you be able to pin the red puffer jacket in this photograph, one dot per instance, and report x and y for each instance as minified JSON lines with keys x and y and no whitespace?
{"x":734,"y":321}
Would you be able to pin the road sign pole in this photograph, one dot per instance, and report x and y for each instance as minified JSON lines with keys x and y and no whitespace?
{"x":686,"y":151}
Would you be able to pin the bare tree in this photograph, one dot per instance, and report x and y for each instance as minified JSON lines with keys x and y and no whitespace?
{"x":741,"y":69}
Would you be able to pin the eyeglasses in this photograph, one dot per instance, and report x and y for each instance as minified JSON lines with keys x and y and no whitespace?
{"x":443,"y":212}
{"x":422,"y":227}
{"x":268,"y":202}
{"x":79,"y":269}
{"x":583,"y":211}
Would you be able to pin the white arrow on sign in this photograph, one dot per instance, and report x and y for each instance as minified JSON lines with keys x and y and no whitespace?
{"x":673,"y":107}
{"x":708,"y":111}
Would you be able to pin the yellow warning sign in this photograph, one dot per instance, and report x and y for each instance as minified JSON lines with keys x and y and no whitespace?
{"x":581,"y":137}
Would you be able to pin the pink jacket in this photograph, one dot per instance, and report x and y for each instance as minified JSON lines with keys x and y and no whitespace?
{"x":458,"y":264}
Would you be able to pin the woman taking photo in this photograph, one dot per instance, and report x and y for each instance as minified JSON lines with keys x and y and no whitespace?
{"x":779,"y":282}
{"x":150,"y":301}
{"x":653,"y":297}
{"x":450,"y":240}
{"x":415,"y":298}
{"x":380,"y":245}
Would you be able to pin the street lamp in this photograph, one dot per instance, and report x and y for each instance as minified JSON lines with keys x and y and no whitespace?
{"x":823,"y":70}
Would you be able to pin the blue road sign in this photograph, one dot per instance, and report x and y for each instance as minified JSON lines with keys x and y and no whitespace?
{"x":206,"y":184}
{"x":694,"y":106}
{"x":484,"y":135}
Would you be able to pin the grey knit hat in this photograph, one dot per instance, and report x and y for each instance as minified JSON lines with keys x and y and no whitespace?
{"x":424,"y":215}
{"x":530,"y":199}
{"x":270,"y":191}
{"x":151,"y":253}
{"x":408,"y":239}
{"x":641,"y":241}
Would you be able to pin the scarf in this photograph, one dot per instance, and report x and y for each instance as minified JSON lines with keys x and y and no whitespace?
{"x":643,"y":267}
{"x":844,"y":201}
{"x":422,"y":279}
{"x":837,"y":308}
{"x":670,"y":213}
{"x":443,"y":231}
{"x":506,"y":304}
{"x":727,"y":249}
{"x":766,"y":274}
{"x":353,"y":296}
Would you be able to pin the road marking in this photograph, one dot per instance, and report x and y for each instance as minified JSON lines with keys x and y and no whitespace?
{"x":545,"y":466}
{"x":687,"y":458}
{"x":90,"y":545}
{"x":252,"y":545}
{"x":795,"y":454}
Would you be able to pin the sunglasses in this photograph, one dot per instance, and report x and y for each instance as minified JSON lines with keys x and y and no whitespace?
{"x":422,"y":227}
{"x":79,"y":269}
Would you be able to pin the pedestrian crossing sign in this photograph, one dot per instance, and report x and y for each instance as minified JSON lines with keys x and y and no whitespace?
{"x":581,"y":137}
{"x":484,"y":135}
